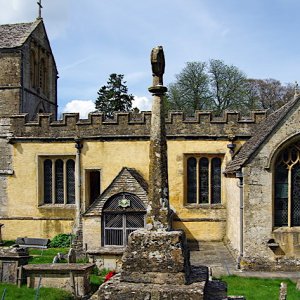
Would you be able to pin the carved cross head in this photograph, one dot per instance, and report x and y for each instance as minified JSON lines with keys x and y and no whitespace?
{"x":158,"y":65}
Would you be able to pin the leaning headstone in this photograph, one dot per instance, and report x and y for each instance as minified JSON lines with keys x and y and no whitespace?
{"x":71,"y":256}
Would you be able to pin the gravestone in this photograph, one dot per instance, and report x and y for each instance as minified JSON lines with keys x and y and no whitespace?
{"x":10,"y":261}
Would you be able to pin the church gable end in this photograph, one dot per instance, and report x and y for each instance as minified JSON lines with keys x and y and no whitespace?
{"x":127,"y":181}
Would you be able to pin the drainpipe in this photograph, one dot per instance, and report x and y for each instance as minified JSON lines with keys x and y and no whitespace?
{"x":78,"y":146}
{"x":240,"y":176}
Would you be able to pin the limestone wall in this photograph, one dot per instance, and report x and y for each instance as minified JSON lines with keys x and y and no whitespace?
{"x":232,"y":192}
{"x":127,"y":125}
{"x":10,"y":83}
{"x":5,"y":163}
{"x":258,"y":192}
{"x":27,"y":215}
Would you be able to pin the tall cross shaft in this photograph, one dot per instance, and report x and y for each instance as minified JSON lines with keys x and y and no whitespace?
{"x":158,"y":209}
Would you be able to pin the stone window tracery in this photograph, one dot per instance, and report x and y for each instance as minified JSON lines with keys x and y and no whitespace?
{"x":122,"y":214}
{"x":58,"y":181}
{"x":287,"y":187}
{"x":203,"y":179}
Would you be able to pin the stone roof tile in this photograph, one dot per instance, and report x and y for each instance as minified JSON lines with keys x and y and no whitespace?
{"x":15,"y":35}
{"x":260,"y":134}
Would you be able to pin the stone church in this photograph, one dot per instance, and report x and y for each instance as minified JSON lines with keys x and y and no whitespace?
{"x":231,"y":178}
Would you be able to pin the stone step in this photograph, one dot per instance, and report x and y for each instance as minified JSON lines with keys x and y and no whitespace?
{"x":215,"y":290}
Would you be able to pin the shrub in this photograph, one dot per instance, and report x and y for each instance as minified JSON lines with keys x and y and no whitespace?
{"x":61,"y":240}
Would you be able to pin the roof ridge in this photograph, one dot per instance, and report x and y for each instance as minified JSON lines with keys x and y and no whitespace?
{"x":262,"y":132}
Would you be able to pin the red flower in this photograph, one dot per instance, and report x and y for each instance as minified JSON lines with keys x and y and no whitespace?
{"x":109,"y":275}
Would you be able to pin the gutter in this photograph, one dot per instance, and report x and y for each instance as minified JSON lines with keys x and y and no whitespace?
{"x":240,"y":176}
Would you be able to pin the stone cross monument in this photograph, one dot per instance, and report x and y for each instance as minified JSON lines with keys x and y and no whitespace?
{"x":155,"y":263}
{"x":158,"y":213}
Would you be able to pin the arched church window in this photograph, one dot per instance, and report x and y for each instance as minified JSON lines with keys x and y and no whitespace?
{"x":122,"y":214}
{"x":287,"y":187}
{"x":33,"y":69}
{"x":43,"y":76}
{"x":203,"y":179}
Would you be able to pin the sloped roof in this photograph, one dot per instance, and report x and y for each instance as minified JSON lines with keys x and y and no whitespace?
{"x":128,"y":180}
{"x":262,"y":131}
{"x":15,"y":35}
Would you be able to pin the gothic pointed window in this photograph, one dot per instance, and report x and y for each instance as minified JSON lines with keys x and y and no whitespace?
{"x":203,"y":179}
{"x":123,"y":213}
{"x":287,"y":187}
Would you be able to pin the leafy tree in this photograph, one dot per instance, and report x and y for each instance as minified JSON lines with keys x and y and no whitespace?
{"x":114,"y":96}
{"x":227,"y":85}
{"x":268,"y":93}
{"x":217,"y":86}
{"x":190,"y":92}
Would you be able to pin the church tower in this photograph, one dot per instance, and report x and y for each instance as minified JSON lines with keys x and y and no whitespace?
{"x":28,"y":73}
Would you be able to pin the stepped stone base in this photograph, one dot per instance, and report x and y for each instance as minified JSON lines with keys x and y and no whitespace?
{"x":159,"y":257}
{"x":115,"y":289}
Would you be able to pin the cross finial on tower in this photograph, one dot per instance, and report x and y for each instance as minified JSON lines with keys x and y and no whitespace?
{"x":296,"y":89}
{"x":39,"y":3}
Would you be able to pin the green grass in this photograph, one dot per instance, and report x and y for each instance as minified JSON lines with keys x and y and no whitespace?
{"x":45,"y":256}
{"x":15,"y":293}
{"x":258,"y":288}
{"x":98,"y":276}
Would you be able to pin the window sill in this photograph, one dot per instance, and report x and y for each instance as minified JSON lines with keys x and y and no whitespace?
{"x":108,"y":250}
{"x":204,"y":206}
{"x":59,"y":206}
{"x":286,"y":229}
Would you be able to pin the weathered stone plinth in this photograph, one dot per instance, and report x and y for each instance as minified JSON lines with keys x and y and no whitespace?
{"x":115,"y":289}
{"x":159,"y":257}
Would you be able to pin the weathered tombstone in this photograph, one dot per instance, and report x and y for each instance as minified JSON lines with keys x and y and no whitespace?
{"x":156,"y":261}
{"x":10,"y":261}
{"x":71,"y":256}
{"x":283,"y":291}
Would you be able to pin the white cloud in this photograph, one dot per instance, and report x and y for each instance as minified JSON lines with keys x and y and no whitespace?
{"x":84,"y":107}
{"x":142,"y":103}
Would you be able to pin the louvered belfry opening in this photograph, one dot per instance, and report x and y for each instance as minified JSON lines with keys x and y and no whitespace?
{"x":123,"y":213}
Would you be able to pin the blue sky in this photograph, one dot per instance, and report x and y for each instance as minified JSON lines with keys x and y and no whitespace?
{"x":92,"y":39}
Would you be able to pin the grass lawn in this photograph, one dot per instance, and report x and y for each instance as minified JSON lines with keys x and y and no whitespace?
{"x":258,"y":288}
{"x":45,"y":256}
{"x":14,"y":293}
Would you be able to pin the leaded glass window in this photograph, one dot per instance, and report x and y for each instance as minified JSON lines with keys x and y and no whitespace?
{"x":59,"y":181}
{"x":287,"y":187}
{"x":192,"y":180}
{"x":122,"y":214}
{"x":204,"y":180}
{"x":70,"y":181}
{"x":203,"y":183}
{"x":48,"y":181}
{"x":216,"y":180}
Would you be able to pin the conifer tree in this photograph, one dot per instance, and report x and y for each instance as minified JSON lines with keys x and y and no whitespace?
{"x":113,"y":96}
